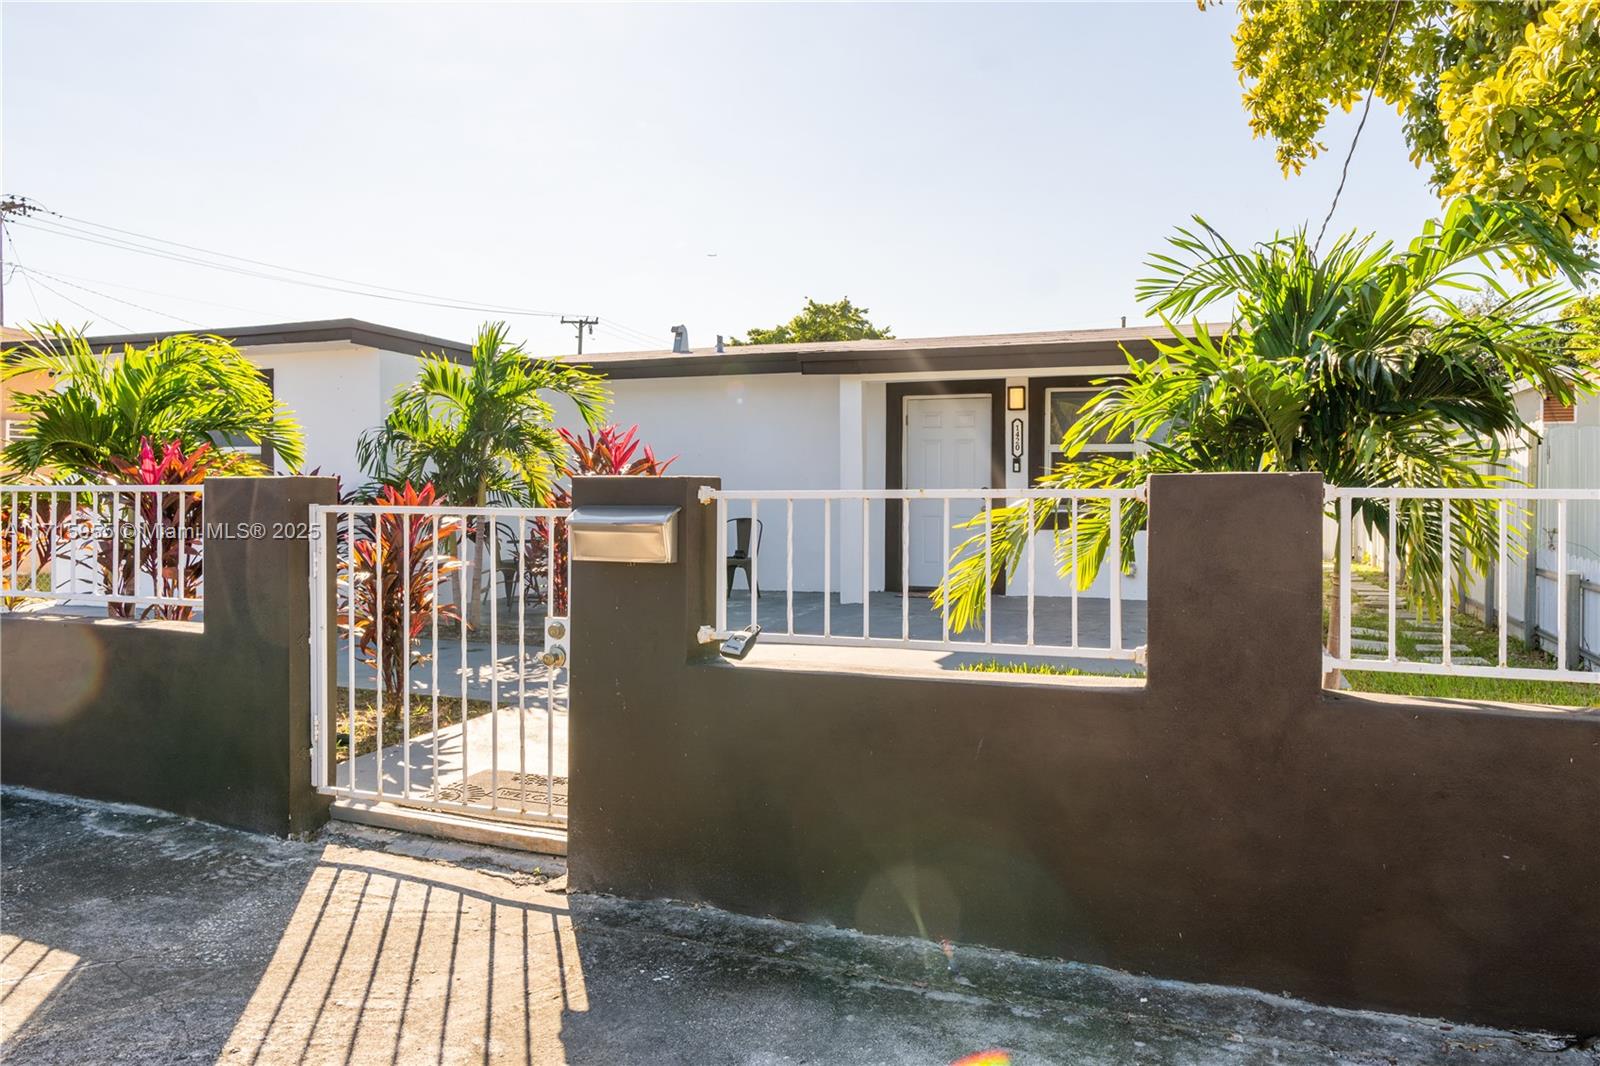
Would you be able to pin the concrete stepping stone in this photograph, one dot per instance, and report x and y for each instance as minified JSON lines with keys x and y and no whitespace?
{"x":1369,"y":633}
{"x":1358,"y":644}
{"x":1438,"y":649}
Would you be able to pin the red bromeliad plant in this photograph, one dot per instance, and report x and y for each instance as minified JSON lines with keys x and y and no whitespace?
{"x":158,"y":536}
{"x":385,"y":590}
{"x":611,"y":450}
{"x":608,"y":450}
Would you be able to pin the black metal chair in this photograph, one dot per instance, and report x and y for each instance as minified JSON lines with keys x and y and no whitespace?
{"x":740,"y":557}
{"x":506,"y":565}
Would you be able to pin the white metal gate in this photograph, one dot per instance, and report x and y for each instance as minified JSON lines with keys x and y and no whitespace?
{"x":439,"y":644}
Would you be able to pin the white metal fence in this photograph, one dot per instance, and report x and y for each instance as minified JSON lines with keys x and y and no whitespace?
{"x":446,"y":629}
{"x":1432,"y":547}
{"x":135,"y":551}
{"x":869,"y":595}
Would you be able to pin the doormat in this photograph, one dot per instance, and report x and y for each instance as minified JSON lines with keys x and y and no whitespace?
{"x":510,"y":790}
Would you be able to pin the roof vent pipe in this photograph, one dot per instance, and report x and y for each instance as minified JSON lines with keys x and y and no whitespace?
{"x":719,"y":344}
{"x":680,"y":340}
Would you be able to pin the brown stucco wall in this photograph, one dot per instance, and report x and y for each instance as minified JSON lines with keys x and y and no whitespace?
{"x":1227,"y":822}
{"x":210,"y":720}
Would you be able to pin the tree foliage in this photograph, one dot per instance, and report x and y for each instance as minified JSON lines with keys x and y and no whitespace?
{"x":484,"y":432}
{"x":1358,"y":363}
{"x":838,"y":321}
{"x":186,"y":390}
{"x":1501,"y":101}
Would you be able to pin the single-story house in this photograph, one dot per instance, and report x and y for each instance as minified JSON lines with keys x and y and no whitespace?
{"x":335,"y":376}
{"x":981,"y":412}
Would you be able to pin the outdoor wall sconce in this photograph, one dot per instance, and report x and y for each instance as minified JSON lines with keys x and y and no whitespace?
{"x":1016,"y":398}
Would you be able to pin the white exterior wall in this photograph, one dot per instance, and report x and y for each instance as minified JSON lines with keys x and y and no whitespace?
{"x":333,"y":392}
{"x":793,"y":431}
{"x":754,"y":431}
{"x":395,"y":371}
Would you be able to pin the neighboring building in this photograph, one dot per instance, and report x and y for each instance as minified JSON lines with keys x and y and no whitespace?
{"x":12,"y":422}
{"x":942,"y":412}
{"x":1567,"y":456}
{"x":335,"y":377}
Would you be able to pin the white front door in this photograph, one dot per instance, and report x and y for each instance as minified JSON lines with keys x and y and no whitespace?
{"x":947,"y":446}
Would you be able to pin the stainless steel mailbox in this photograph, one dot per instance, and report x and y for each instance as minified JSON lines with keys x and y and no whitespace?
{"x":624,"y":534}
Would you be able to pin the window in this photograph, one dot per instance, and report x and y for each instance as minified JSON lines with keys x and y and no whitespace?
{"x":227,"y":442}
{"x":1061,"y":410}
{"x":15,"y":430}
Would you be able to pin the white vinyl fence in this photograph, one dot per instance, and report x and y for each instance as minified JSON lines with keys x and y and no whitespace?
{"x":135,"y":551}
{"x":869,"y":595}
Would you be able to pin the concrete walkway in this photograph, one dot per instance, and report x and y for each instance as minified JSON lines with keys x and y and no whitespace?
{"x":491,"y":748}
{"x":134,"y":937}
{"x":483,"y":667}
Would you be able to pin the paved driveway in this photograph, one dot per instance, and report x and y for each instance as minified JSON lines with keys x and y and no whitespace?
{"x":128,"y":936}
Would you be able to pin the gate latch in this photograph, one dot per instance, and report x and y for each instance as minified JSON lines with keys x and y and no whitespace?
{"x":557,"y":639}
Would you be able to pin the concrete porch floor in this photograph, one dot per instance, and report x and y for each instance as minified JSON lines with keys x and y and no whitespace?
{"x":1052,"y":625}
{"x":131,"y":936}
{"x":1052,"y":617}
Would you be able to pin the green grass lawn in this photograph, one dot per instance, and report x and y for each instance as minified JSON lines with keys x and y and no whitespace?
{"x":1480,"y":641}
{"x":1000,"y":666}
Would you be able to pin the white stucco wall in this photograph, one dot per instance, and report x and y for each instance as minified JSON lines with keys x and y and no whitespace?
{"x":793,"y":431}
{"x":333,"y":391}
{"x":757,"y":431}
{"x":395,"y":371}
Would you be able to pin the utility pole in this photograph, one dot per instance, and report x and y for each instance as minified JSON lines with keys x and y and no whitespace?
{"x":10,"y":205}
{"x":580,"y":322}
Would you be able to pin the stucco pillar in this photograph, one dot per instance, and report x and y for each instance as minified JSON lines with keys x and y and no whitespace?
{"x":1236,"y":588}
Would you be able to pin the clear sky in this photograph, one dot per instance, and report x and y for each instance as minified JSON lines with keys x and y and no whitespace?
{"x":957,"y":169}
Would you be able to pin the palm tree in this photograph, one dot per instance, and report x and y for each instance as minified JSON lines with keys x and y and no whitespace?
{"x":187,"y":390}
{"x":1356,"y":363}
{"x":482,"y":433}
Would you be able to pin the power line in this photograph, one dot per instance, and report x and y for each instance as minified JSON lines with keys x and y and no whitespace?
{"x":85,"y":307}
{"x":17,"y":262}
{"x":108,"y":296}
{"x":134,"y":242}
{"x":629,"y":333}
{"x":580,"y":322}
{"x":1377,"y":74}
{"x":21,"y":207}
{"x":294,"y":270}
{"x":72,"y":233}
{"x":63,"y":276}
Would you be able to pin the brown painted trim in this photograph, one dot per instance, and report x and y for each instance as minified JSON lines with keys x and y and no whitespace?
{"x":353,"y":330}
{"x":1000,"y":360}
{"x":895,"y":395}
